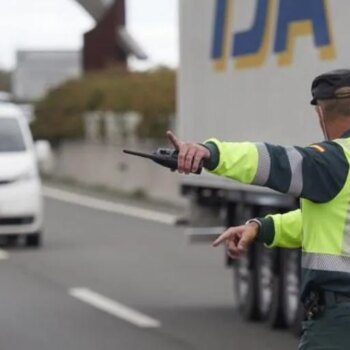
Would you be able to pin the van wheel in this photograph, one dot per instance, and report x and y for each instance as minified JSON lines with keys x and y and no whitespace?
{"x":245,"y":283}
{"x":33,"y":239}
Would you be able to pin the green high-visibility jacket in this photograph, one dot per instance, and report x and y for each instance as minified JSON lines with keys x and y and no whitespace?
{"x":319,"y":175}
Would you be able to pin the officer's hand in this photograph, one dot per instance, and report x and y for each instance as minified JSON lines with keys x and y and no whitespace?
{"x":190,"y":154}
{"x":237,"y":239}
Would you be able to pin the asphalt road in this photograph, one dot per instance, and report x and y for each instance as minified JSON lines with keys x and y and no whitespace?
{"x":143,"y":265}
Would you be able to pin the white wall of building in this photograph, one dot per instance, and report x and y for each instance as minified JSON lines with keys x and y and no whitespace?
{"x":39,"y":71}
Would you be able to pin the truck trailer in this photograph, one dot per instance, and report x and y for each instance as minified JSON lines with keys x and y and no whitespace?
{"x":245,"y":73}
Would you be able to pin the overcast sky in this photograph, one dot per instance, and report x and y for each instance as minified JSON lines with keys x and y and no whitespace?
{"x":59,"y":24}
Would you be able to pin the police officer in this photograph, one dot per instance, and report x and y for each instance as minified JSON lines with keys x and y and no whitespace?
{"x":319,"y":175}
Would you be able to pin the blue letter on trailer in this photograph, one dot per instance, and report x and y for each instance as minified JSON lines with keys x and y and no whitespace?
{"x":300,"y":17}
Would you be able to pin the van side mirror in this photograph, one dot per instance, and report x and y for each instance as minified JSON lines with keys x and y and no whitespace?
{"x":44,"y":155}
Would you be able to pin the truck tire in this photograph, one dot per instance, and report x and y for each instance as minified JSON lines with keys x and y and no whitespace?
{"x":297,"y":325}
{"x":276,"y":317}
{"x":290,"y":275}
{"x":269,"y":287}
{"x":265,"y":275}
{"x":245,"y":285}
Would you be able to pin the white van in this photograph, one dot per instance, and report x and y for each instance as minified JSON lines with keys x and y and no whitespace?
{"x":21,"y":209}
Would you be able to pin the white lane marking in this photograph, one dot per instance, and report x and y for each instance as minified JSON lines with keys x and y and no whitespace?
{"x":4,"y":254}
{"x":100,"y":204}
{"x":114,"y":308}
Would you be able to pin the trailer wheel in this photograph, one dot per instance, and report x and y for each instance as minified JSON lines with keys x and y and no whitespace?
{"x":265,"y":275}
{"x":245,"y":283}
{"x":276,"y":316}
{"x":290,"y":274}
{"x":297,"y":325}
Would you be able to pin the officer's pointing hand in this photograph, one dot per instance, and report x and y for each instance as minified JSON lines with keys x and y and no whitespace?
{"x":190,"y":154}
{"x":237,"y":239}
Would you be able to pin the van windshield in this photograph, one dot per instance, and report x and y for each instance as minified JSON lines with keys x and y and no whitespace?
{"x":11,"y":138}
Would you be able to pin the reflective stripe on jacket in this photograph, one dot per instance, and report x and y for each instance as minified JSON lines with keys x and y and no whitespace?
{"x":319,"y":174}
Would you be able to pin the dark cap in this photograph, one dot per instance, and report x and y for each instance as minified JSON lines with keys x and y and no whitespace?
{"x":324,"y":86}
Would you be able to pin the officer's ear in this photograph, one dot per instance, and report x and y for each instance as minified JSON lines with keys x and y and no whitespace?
{"x":319,"y":112}
{"x":321,"y":119}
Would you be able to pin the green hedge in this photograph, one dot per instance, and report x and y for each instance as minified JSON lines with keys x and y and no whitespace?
{"x":151,"y":93}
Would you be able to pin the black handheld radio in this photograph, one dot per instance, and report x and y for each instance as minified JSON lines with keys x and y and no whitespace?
{"x":166,"y":157}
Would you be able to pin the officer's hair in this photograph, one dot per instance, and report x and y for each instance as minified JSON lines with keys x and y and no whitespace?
{"x":339,"y":107}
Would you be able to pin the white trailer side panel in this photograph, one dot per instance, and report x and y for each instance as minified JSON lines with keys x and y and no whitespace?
{"x":265,"y":102}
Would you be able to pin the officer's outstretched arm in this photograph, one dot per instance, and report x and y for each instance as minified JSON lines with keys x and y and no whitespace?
{"x":317,"y":172}
{"x":282,"y":230}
